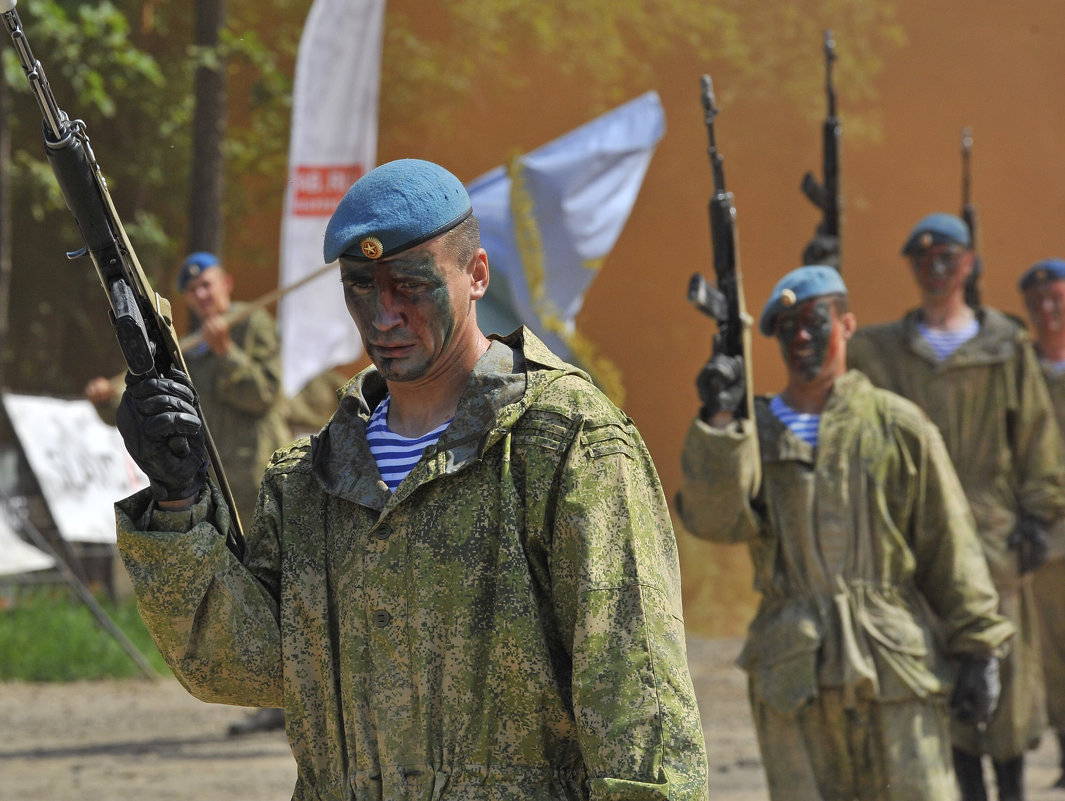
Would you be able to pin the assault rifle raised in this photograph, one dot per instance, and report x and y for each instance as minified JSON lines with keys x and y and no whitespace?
{"x":141,"y":317}
{"x":968,"y":214}
{"x":826,"y":246}
{"x":724,"y":303}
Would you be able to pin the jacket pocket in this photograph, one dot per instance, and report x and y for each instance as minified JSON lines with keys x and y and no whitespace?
{"x":903,"y":649}
{"x":780,"y":655}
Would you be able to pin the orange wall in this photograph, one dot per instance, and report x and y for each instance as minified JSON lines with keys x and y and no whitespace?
{"x":997,"y":67}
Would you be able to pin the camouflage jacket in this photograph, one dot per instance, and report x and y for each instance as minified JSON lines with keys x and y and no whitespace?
{"x":991,"y":406}
{"x":852,"y":543}
{"x":243,"y":402}
{"x":507,"y":624}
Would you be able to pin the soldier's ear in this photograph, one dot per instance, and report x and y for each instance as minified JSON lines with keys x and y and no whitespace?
{"x":849,"y":324}
{"x":479,"y":274}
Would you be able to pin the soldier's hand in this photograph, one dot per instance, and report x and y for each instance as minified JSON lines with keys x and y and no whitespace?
{"x":1030,"y":541}
{"x":822,"y":249}
{"x":163,"y":433}
{"x":722,"y":385}
{"x":100,"y":390}
{"x":216,"y":334}
{"x":976,"y":690}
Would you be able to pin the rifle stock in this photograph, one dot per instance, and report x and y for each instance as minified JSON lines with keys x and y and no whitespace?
{"x":141,"y":317}
{"x":725,"y":302}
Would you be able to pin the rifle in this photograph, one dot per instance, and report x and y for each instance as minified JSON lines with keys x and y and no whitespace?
{"x":826,"y":195}
{"x":968,"y":214}
{"x":724,"y":303}
{"x":141,"y":317}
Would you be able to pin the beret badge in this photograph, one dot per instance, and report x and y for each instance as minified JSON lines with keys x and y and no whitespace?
{"x":787,"y":297}
{"x":371,"y":247}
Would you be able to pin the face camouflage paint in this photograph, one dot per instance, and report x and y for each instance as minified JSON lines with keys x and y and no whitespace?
{"x":805,"y":335}
{"x":403,"y":309}
{"x":1045,"y":301}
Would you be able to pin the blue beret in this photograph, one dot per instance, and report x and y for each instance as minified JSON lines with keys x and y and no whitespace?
{"x":797,"y":286}
{"x":1045,"y":270}
{"x":194,"y":264}
{"x":394,"y":207}
{"x":937,"y":229}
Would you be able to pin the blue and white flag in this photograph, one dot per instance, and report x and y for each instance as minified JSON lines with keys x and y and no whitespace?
{"x":549,"y":218}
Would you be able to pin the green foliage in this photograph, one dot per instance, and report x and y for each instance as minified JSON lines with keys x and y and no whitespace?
{"x":47,"y":634}
{"x":613,"y":49}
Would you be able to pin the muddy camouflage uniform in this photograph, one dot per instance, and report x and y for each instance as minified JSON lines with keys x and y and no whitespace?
{"x":507,"y":625}
{"x":852,"y":544}
{"x":1049,"y":586}
{"x":992,"y":408}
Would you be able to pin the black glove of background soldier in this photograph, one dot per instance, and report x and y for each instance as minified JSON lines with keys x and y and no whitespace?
{"x":1029,"y":539}
{"x":721,"y":385}
{"x":822,"y":249}
{"x":164,"y":435}
{"x":976,"y":690}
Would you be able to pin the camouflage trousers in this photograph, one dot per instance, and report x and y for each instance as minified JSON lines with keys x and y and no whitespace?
{"x":1049,"y":586}
{"x":875,"y":752}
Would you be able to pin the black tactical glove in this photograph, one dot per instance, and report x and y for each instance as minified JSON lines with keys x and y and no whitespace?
{"x":1029,"y":539}
{"x":822,"y":249}
{"x":163,"y":433}
{"x":976,"y":690}
{"x":721,"y":385}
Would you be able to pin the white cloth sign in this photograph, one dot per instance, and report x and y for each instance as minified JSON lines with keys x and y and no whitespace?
{"x":16,"y":556}
{"x":333,"y":143}
{"x":79,"y":461}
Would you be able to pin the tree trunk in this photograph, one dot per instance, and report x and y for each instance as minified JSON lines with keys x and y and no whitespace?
{"x":5,"y":223}
{"x":208,"y":134}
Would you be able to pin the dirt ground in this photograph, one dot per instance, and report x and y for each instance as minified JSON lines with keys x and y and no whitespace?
{"x":136,"y":739}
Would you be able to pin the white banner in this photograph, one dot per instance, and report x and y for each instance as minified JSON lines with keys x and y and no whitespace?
{"x":333,"y":143}
{"x":18,"y":557}
{"x":79,"y":461}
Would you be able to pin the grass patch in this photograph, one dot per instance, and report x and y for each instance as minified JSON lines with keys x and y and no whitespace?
{"x":48,"y":634}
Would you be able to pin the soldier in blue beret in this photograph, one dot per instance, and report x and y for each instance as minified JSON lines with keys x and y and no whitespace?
{"x":845,"y":494}
{"x":857,"y":526}
{"x":975,"y":373}
{"x":466,"y":585}
{"x":1043,"y":288}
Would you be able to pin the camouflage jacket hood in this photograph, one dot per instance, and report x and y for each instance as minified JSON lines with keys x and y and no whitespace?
{"x":506,"y":381}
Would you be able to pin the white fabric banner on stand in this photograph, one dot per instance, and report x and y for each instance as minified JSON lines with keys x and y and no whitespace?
{"x":79,"y":461}
{"x":18,"y":557}
{"x":333,"y":143}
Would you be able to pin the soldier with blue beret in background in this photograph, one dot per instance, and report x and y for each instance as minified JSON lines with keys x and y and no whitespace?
{"x":975,"y":373}
{"x":1043,"y":288}
{"x":864,"y":552}
{"x":466,"y":586}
